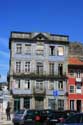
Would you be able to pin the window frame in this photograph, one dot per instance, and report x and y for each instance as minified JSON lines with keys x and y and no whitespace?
{"x":18,"y":66}
{"x":60,"y":85}
{"x":72,"y":90}
{"x":58,"y":51}
{"x":18,"y":48}
{"x":28,"y":49}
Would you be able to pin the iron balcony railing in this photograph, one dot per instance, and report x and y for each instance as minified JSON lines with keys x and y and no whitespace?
{"x":39,"y":75}
{"x":39,"y":91}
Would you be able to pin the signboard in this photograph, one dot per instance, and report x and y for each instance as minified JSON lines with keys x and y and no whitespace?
{"x":55,"y":93}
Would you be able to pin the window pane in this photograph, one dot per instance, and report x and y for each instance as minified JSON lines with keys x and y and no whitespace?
{"x":71,"y":89}
{"x":51,"y":85}
{"x":27,"y":66}
{"x":39,"y":68}
{"x":60,"y":51}
{"x":40,"y":50}
{"x":60,"y":104}
{"x":60,"y":85}
{"x":16,"y":104}
{"x":71,"y":104}
{"x":27,"y":49}
{"x":51,"y":68}
{"x":27,"y":103}
{"x":27,"y":84}
{"x":52,"y":50}
{"x":18,"y":66}
{"x":18,"y":48}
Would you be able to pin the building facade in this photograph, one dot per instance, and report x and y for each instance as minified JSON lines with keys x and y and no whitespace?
{"x":75,"y":77}
{"x":5,"y":97}
{"x":38,"y":70}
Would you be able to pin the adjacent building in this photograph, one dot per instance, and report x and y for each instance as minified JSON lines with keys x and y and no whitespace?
{"x":38,"y":70}
{"x":5,"y":97}
{"x":75,"y":77}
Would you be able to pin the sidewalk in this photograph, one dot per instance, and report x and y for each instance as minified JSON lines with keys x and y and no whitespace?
{"x":4,"y":121}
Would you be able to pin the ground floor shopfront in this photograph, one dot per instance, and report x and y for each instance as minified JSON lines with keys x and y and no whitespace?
{"x":47,"y":102}
{"x":75,"y":102}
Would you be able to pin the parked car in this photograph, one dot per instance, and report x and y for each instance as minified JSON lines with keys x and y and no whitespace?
{"x":75,"y":119}
{"x":18,"y":117}
{"x":26,"y":116}
{"x":60,"y":116}
{"x":46,"y":114}
{"x":32,"y":117}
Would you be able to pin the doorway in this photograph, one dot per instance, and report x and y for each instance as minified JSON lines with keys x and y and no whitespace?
{"x":39,"y":103}
{"x":78,"y":105}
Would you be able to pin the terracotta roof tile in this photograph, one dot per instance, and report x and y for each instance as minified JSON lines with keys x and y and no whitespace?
{"x":75,"y":61}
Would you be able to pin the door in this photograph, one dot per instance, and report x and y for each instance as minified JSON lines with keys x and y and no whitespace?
{"x":16,"y":104}
{"x":39,"y":103}
{"x":78,"y":105}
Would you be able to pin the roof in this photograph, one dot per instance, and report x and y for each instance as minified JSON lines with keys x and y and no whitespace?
{"x":75,"y":61}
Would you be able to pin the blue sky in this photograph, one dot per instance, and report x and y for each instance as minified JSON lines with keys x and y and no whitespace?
{"x":53,"y":16}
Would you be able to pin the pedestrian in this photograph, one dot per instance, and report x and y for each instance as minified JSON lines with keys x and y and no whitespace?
{"x":8,"y":112}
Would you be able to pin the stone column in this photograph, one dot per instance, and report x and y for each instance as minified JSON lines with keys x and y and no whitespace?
{"x":21,"y":103}
{"x":32,"y":103}
{"x":46,"y":103}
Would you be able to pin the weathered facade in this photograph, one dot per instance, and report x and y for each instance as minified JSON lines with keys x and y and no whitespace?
{"x":38,"y":70}
{"x":75,"y":77}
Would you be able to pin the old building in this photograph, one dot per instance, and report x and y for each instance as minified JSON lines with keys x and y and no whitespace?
{"x":5,"y":96}
{"x":38,"y":68}
{"x":75,"y":77}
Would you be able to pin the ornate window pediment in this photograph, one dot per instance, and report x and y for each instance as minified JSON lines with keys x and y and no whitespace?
{"x":40,"y":37}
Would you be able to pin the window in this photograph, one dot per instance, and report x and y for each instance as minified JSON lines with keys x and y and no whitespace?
{"x":71,"y":104}
{"x":60,"y":85}
{"x":27,"y":102}
{"x":39,"y":68}
{"x":52,"y":50}
{"x":71,"y":72}
{"x":17,"y":85}
{"x":51,"y":85}
{"x":71,"y":89}
{"x":51,"y":104}
{"x":18,"y":48}
{"x":60,"y":51}
{"x":60,"y":104}
{"x":18,"y":66}
{"x":51,"y":68}
{"x":60,"y":69}
{"x":78,"y":88}
{"x":27,"y":49}
{"x":78,"y":74}
{"x":27,"y":66}
{"x":78,"y":85}
{"x":39,"y":84}
{"x":27,"y":84}
{"x":40,"y":49}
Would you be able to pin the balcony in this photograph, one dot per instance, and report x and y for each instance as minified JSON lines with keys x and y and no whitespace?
{"x":36,"y":75}
{"x":21,"y":92}
{"x":78,"y":79}
{"x":41,"y":91}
